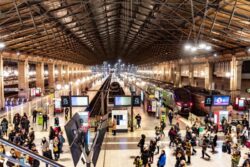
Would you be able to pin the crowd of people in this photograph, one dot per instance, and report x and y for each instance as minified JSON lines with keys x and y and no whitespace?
{"x":23,"y":134}
{"x":203,"y":135}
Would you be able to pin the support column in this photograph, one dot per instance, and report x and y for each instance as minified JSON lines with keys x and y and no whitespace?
{"x":60,"y":74}
{"x":191,"y":74}
{"x":2,"y":100}
{"x":66,"y":74}
{"x":40,"y":76}
{"x":177,"y":75}
{"x":236,"y":76}
{"x":51,"y":77}
{"x":23,"y":78}
{"x":208,"y":75}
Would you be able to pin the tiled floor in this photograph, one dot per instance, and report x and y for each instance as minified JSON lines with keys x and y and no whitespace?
{"x":120,"y":150}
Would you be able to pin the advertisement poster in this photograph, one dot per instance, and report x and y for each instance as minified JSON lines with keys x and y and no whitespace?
{"x":121,"y":117}
{"x":221,"y":100}
{"x":154,"y":106}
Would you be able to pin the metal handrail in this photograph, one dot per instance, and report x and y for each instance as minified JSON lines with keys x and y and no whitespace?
{"x":30,"y":153}
{"x":15,"y":161}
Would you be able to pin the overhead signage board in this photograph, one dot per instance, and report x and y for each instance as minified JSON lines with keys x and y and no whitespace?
{"x":136,"y":101}
{"x":122,"y":101}
{"x":79,"y":101}
{"x":65,"y":100}
{"x":221,"y":100}
{"x":208,"y":101}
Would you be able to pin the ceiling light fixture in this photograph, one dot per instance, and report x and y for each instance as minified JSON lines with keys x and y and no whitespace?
{"x":2,"y":45}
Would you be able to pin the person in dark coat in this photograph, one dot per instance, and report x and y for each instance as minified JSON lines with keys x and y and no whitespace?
{"x":138,"y":120}
{"x":204,"y":148}
{"x":51,"y":133}
{"x":34,"y":115}
{"x":142,"y":142}
{"x":16,"y":121}
{"x":45,"y":121}
{"x":31,"y":135}
{"x":145,"y":156}
{"x":5,"y":125}
{"x":48,"y":154}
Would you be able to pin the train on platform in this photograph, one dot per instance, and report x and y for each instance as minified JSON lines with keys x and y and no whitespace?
{"x":179,"y":100}
{"x":198,"y":97}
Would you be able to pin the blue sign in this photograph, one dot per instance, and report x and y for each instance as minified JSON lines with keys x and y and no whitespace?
{"x":221,"y":100}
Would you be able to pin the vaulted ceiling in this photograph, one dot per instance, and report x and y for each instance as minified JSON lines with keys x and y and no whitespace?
{"x":137,"y":31}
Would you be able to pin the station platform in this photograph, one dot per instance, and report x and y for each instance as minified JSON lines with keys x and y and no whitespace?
{"x":65,"y":157}
{"x":120,"y":150}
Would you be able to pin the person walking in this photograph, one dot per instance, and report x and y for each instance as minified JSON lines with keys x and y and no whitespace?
{"x":5,"y":125}
{"x":142,"y":142}
{"x":145,"y":156}
{"x":61,"y":141}
{"x":138,"y":161}
{"x":170,"y":117}
{"x":188,"y":147}
{"x":48,"y":154}
{"x":44,"y":143}
{"x":45,"y":121}
{"x":163,"y":126}
{"x":114,"y":127}
{"x":204,"y":148}
{"x":34,"y":115}
{"x":138,"y":120}
{"x":66,"y":112}
{"x":56,"y":150}
{"x":162,"y":159}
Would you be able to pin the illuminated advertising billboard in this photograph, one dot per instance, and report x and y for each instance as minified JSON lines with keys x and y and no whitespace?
{"x":221,"y":100}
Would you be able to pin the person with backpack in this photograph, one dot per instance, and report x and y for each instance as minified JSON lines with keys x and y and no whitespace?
{"x":138,"y":161}
{"x":61,"y":141}
{"x":162,"y":159}
{"x":56,"y":150}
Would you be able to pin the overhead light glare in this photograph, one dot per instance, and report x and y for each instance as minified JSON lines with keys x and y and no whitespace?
{"x":2,"y":45}
{"x":188,"y":47}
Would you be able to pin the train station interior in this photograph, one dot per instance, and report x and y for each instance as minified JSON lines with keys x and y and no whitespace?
{"x":124,"y":83}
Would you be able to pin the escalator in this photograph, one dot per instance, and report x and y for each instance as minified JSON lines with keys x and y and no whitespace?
{"x":22,"y":150}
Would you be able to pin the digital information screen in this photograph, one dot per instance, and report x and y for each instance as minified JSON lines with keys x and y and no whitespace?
{"x":84,"y":119}
{"x":124,"y":101}
{"x":221,"y":100}
{"x":65,"y":101}
{"x":208,"y":101}
{"x":136,"y":101}
{"x":79,"y":101}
